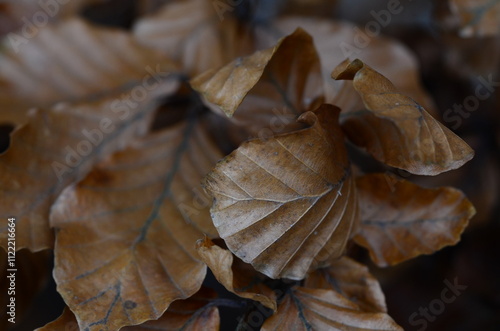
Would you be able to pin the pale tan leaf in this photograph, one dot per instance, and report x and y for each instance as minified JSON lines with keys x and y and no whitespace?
{"x":126,"y":234}
{"x":268,"y":89}
{"x":337,"y":40}
{"x":401,"y":220}
{"x":72,"y":61}
{"x":353,"y":281}
{"x":59,"y":146}
{"x":395,"y":129}
{"x":233,"y":276}
{"x":318,"y":309}
{"x":288,"y":202}
{"x":192,"y":33}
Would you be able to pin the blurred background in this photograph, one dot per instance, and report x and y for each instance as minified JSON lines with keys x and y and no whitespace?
{"x":456,"y":45}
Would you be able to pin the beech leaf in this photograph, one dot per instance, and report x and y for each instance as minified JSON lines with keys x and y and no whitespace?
{"x":288,"y":202}
{"x":126,"y":234}
{"x":353,"y":281}
{"x":73,"y":61}
{"x":234,"y":279}
{"x":192,"y":314}
{"x":395,"y":129}
{"x":269,"y":88}
{"x":192,"y":33}
{"x":59,"y":146}
{"x":401,"y":220}
{"x":318,"y":309}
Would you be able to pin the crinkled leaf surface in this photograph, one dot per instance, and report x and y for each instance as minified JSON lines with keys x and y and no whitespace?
{"x":353,"y":281}
{"x":337,"y":40}
{"x":126,"y":234}
{"x":395,"y":129}
{"x":59,"y":146}
{"x":233,"y":275}
{"x":269,"y":89}
{"x":318,"y":309}
{"x":401,"y":220}
{"x":288,"y":202}
{"x":73,"y":61}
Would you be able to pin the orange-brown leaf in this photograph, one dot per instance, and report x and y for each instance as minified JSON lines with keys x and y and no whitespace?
{"x":288,"y":202}
{"x":235,"y":276}
{"x":318,"y":309}
{"x":353,"y":281}
{"x":73,"y":61}
{"x":395,"y":129}
{"x":192,"y":314}
{"x":477,"y":18}
{"x":401,"y":220}
{"x":58,"y":147}
{"x":192,"y":33}
{"x":267,"y":89}
{"x":126,"y":234}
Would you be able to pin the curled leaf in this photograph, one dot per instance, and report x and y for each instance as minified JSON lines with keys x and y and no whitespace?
{"x":126,"y":234}
{"x":318,"y":309}
{"x":401,"y":220}
{"x":353,"y":281}
{"x":268,"y":89}
{"x":395,"y":129}
{"x":288,"y":202}
{"x":233,"y":275}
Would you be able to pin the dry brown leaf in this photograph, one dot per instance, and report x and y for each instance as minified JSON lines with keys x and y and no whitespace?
{"x":337,"y":40}
{"x":133,"y":220}
{"x":233,"y":275}
{"x":269,"y":88}
{"x":477,"y":17}
{"x":58,"y":147}
{"x":288,"y":202}
{"x":28,"y":16}
{"x":73,"y":61}
{"x":401,"y":220}
{"x":353,"y":281}
{"x":192,"y":33}
{"x":318,"y":309}
{"x":192,"y":314}
{"x":395,"y":129}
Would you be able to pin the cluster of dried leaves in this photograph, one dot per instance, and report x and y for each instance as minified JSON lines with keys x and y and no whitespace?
{"x":121,"y":168}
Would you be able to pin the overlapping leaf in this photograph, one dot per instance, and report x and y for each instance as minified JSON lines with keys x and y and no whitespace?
{"x":335,"y":41}
{"x":401,"y":220}
{"x":193,"y":314}
{"x":235,"y":276}
{"x":59,"y":146}
{"x":395,"y":129}
{"x":268,"y":90}
{"x":126,"y":234}
{"x":193,"y":33}
{"x":72,"y":61}
{"x":353,"y":281}
{"x":288,"y":202}
{"x":318,"y":309}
